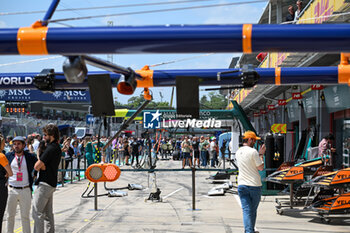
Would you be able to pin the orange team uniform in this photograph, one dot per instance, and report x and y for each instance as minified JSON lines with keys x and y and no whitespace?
{"x":3,"y":160}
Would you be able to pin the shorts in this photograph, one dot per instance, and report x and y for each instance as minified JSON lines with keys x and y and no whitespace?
{"x":196,"y":154}
{"x":186,"y":155}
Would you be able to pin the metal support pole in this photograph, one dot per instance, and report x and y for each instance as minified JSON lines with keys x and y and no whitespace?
{"x":270,"y":12}
{"x":269,"y":22}
{"x":95,"y":196}
{"x":284,"y":121}
{"x":318,"y":115}
{"x":193,"y":188}
{"x":162,"y":78}
{"x":180,"y":39}
{"x":278,"y":11}
{"x":50,"y":12}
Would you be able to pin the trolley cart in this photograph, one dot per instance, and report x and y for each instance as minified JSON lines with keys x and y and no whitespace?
{"x":338,"y":205}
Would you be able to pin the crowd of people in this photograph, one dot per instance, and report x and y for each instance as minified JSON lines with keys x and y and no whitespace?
{"x":35,"y":160}
{"x":193,"y":151}
{"x":29,"y":161}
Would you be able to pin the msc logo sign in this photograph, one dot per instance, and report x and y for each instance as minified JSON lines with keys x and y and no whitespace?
{"x":151,"y":120}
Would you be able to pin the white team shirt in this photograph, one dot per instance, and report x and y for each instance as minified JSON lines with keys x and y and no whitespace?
{"x":247,"y":161}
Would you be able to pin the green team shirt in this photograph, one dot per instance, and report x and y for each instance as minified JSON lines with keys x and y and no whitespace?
{"x":88,"y":148}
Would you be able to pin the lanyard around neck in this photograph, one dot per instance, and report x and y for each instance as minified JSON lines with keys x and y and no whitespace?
{"x":19,"y":162}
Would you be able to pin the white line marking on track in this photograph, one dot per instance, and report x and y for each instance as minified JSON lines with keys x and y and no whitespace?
{"x":177,"y":190}
{"x":240,"y":205}
{"x":238,"y":200}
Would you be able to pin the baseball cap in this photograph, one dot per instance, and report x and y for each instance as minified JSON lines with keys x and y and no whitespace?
{"x":250,"y":134}
{"x":19,"y":138}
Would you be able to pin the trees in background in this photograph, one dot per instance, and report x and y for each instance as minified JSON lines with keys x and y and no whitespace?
{"x":213,"y":100}
{"x":136,"y":101}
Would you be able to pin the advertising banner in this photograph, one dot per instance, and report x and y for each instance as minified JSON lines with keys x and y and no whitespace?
{"x":37,"y":95}
{"x":309,"y":103}
{"x":337,"y":98}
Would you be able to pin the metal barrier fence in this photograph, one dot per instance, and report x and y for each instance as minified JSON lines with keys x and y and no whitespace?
{"x":193,"y":171}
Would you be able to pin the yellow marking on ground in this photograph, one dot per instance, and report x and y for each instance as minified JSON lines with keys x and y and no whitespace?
{"x":19,"y":229}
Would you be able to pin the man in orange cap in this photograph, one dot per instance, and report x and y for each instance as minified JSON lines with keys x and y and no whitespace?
{"x":249,"y":163}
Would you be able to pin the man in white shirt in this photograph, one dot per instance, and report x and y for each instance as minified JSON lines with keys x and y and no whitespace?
{"x":212,"y":152}
{"x":20,"y":184}
{"x":299,"y":10}
{"x":249,"y":162}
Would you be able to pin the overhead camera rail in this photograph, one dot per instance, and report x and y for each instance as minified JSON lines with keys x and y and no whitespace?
{"x":246,"y":38}
{"x":49,"y":80}
{"x":248,"y":76}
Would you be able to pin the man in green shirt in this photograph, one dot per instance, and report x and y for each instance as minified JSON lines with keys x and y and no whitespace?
{"x":186,"y":152}
{"x":203,"y":147}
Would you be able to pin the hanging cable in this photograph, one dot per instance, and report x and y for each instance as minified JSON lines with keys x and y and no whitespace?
{"x":69,"y":8}
{"x":180,"y":60}
{"x":64,"y":24}
{"x":28,"y":61}
{"x":104,"y":7}
{"x":155,"y":11}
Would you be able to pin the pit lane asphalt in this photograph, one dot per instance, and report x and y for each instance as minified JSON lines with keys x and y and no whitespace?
{"x":132,"y":214}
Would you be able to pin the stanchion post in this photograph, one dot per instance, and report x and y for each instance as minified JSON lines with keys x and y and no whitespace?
{"x":71,"y":171}
{"x":62,"y":168}
{"x":84,"y":165}
{"x":95,"y":190}
{"x":149,"y":152}
{"x":78,"y":168}
{"x":193,"y":188}
{"x":223,"y":158}
{"x":291,"y":195}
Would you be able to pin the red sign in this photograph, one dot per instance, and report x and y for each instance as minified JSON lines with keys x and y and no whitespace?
{"x":296,"y":96}
{"x":317,"y":87}
{"x":271,"y":107}
{"x":282,"y":102}
{"x":263,"y":111}
{"x":256,"y":114}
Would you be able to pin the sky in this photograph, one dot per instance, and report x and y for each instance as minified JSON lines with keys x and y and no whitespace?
{"x":236,"y":14}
